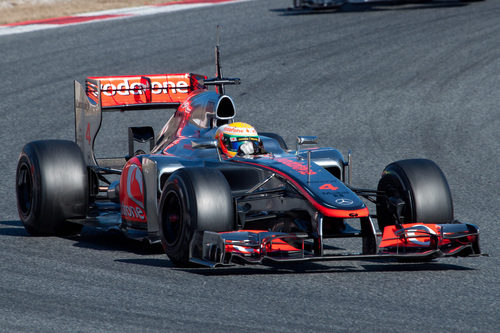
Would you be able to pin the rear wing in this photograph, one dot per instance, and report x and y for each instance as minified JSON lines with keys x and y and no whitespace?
{"x":123,"y":93}
{"x":142,"y":92}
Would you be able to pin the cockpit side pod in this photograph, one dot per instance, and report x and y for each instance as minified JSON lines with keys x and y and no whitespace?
{"x":328,"y":158}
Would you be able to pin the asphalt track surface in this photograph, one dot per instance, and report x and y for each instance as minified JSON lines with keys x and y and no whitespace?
{"x":387,"y":81}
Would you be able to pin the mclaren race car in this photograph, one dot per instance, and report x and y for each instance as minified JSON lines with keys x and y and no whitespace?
{"x":318,"y":4}
{"x":337,"y":4}
{"x":262,"y":205}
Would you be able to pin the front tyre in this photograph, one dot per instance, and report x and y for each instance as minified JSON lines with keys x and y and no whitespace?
{"x":51,"y":187}
{"x":193,"y":200}
{"x":421,"y":186}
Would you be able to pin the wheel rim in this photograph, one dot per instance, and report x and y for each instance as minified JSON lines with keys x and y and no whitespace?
{"x":25,"y":190}
{"x":393,"y":188}
{"x":172,"y":217}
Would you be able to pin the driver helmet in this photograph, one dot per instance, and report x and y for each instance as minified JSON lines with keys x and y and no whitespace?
{"x":237,"y":138}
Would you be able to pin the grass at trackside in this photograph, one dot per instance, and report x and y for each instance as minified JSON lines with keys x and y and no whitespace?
{"x":34,"y":10}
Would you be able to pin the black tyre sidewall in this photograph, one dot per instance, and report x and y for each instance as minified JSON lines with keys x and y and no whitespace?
{"x":60,"y":187}
{"x":206,"y":205}
{"x":178,"y":248}
{"x":393,"y":184}
{"x":423,"y":187}
{"x":29,"y":217}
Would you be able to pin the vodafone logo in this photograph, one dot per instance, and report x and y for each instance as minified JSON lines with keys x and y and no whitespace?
{"x":134,"y":179}
{"x":132,"y":206}
{"x":125,"y":88}
{"x":297,"y":166}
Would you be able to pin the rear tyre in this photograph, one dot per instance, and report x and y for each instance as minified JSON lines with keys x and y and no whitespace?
{"x":51,"y":187}
{"x":193,"y":200}
{"x":421,"y":186}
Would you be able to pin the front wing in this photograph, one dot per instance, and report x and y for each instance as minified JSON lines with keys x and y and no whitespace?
{"x":406,"y":242}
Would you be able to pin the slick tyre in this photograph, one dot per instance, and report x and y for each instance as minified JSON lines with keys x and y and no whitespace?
{"x":193,"y":200}
{"x":423,"y":188}
{"x":51,"y":187}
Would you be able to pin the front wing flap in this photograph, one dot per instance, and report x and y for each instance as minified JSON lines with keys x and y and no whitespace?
{"x":455,"y":239}
{"x":408,"y":241}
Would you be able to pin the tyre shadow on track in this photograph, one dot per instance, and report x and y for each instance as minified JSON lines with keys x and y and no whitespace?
{"x":14,"y":228}
{"x":91,"y":239}
{"x":374,"y":6}
{"x":116,"y":241}
{"x":150,"y":262}
{"x":113,"y":241}
{"x":313,"y":268}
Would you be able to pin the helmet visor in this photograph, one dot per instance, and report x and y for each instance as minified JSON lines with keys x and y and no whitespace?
{"x":233,"y":142}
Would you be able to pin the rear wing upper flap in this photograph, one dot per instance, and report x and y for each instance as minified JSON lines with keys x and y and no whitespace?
{"x":142,"y":92}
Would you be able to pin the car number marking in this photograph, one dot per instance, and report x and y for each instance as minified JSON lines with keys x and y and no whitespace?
{"x":87,"y":133}
{"x":328,"y":187}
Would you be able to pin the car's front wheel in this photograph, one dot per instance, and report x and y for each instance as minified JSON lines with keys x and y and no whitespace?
{"x":193,"y":200}
{"x":419,"y":188}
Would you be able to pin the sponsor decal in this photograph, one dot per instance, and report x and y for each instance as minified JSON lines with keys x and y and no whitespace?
{"x":297,"y":166}
{"x":240,"y":131}
{"x":134,"y":192}
{"x":125,"y":88}
{"x":134,"y":175}
{"x":133,"y":212}
{"x":344,"y":202}
{"x":335,"y":194}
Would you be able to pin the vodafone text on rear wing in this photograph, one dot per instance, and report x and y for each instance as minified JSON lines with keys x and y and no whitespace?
{"x":139,"y":92}
{"x":123,"y":93}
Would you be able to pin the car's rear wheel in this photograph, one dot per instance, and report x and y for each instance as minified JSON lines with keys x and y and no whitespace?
{"x":193,"y":200}
{"x":51,"y":187}
{"x":421,"y":189}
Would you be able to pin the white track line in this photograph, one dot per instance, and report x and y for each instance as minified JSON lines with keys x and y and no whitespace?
{"x":106,"y":15}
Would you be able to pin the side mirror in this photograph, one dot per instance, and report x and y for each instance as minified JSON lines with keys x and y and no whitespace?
{"x":305,"y":140}
{"x":204,"y":144}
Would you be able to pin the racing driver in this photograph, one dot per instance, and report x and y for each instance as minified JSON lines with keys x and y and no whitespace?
{"x":238,"y":139}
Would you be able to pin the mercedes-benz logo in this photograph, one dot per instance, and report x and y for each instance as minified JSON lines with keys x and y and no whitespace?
{"x":344,"y":202}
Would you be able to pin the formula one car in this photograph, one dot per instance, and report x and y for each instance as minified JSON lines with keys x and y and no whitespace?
{"x":318,"y":4}
{"x":269,"y":205}
{"x":337,"y":4}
